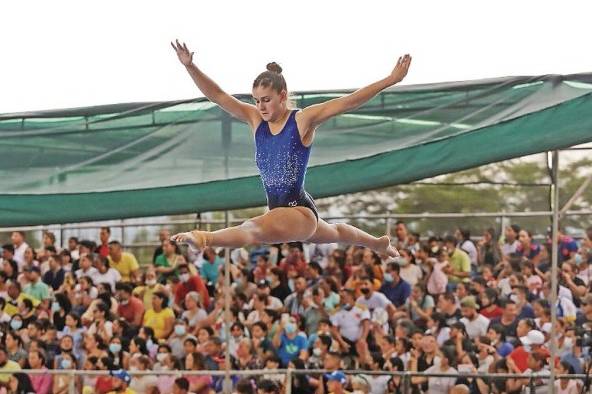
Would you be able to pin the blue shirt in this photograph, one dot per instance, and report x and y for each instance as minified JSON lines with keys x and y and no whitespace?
{"x":210,"y":271}
{"x":398,"y":293}
{"x":291,"y":348}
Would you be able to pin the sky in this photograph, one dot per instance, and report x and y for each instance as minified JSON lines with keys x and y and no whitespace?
{"x":63,"y":54}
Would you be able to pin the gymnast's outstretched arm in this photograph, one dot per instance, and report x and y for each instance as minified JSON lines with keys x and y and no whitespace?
{"x":243,"y":111}
{"x":316,"y":114}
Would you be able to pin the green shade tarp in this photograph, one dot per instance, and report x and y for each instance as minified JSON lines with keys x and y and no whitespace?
{"x":162,"y":158}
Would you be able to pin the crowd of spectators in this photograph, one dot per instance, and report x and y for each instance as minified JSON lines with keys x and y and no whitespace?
{"x":448,"y":304}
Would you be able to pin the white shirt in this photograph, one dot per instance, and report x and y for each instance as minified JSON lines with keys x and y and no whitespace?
{"x":91,"y":272}
{"x":376,"y":300}
{"x":350,"y":322}
{"x":477,"y":327}
{"x":471,"y":250}
{"x":111,"y":277}
{"x":440,"y":385}
{"x":508,"y":249}
{"x":19,"y":255}
{"x":411,"y":274}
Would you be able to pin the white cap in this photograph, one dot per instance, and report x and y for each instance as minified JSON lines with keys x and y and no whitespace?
{"x":534,"y":337}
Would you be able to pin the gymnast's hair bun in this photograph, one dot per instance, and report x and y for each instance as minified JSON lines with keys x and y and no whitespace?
{"x":274,"y":67}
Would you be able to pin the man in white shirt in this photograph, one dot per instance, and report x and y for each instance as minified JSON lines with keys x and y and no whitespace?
{"x":475,"y":323}
{"x":351,"y":325}
{"x":372,"y":299}
{"x":18,"y":241}
{"x":86,"y":268}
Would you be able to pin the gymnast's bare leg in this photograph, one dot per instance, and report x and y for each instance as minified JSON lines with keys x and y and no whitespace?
{"x":286,"y":225}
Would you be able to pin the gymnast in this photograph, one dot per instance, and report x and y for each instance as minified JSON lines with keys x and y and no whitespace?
{"x":283,"y":139}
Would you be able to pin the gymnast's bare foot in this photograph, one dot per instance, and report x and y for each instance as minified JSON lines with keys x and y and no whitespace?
{"x":385,"y":247}
{"x":187,"y":238}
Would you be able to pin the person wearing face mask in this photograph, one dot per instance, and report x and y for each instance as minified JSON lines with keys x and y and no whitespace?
{"x":130,"y":308}
{"x":459,"y":269}
{"x":395,"y":288}
{"x":409,"y":271}
{"x":61,"y":383}
{"x":351,"y":325}
{"x":177,"y":339}
{"x":190,"y":282}
{"x":288,"y":343}
{"x":373,"y":300}
{"x":320,"y":348}
{"x":150,"y":286}
{"x":119,"y":357}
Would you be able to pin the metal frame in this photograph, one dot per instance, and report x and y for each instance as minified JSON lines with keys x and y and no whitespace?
{"x":554,"y":214}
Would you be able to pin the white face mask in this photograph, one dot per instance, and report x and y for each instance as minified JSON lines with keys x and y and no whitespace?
{"x":161,"y":357}
{"x":151,"y":282}
{"x":184,"y":278}
{"x":316,"y":351}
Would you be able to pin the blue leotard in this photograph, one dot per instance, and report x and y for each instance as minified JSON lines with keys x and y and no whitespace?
{"x":282,"y":160}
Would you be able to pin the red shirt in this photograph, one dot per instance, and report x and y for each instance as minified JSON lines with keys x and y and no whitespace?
{"x":135,"y":307}
{"x":103,"y":250}
{"x":193,"y":284}
{"x":520,"y":357}
{"x":497,"y":312}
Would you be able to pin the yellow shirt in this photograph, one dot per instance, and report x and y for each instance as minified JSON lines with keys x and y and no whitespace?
{"x":125,"y":266}
{"x":156,"y":320}
{"x":146,"y":293}
{"x":12,"y":310}
{"x":10,"y":366}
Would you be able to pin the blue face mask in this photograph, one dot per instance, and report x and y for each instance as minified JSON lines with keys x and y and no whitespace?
{"x":388,"y":277}
{"x":180,"y":330}
{"x":290,"y":328}
{"x":16,"y":324}
{"x":578,"y":259}
{"x":55,"y":306}
{"x":66,"y":364}
{"x":115,"y":347}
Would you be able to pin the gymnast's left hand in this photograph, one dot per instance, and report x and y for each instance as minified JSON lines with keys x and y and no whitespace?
{"x":401,"y":69}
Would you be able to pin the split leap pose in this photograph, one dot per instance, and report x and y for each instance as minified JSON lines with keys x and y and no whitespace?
{"x":283,"y":138}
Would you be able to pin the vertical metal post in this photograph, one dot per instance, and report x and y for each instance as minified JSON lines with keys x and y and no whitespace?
{"x":226,"y":140}
{"x":288,"y":389}
{"x":406,"y":383}
{"x":71,"y":383}
{"x":554,"y":262}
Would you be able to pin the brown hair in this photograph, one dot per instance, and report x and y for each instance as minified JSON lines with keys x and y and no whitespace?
{"x":271,"y":78}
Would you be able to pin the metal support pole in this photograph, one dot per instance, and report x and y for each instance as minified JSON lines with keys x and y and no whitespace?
{"x":227,"y":316}
{"x":406,"y":383}
{"x":226,"y":140}
{"x":289,"y":378}
{"x":554,"y":262}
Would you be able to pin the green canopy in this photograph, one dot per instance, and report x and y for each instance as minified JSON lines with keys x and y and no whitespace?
{"x":148,"y":159}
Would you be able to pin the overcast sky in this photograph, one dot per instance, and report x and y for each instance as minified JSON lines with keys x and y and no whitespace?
{"x":59,"y":54}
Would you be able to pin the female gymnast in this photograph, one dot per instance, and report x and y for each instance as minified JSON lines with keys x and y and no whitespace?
{"x":283,"y":138}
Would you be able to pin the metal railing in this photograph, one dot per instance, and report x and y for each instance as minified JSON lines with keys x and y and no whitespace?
{"x":405,"y":376}
{"x":388,"y":219}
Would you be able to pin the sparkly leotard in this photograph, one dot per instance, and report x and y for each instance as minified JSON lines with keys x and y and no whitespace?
{"x":282,"y":160}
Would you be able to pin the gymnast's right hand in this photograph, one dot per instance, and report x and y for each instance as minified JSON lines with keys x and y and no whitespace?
{"x":183,"y":53}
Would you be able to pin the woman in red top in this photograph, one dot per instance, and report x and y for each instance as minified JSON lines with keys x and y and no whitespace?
{"x":489,"y":307}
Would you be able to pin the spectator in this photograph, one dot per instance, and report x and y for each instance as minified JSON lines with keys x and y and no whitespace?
{"x":124,"y":262}
{"x":395,"y":288}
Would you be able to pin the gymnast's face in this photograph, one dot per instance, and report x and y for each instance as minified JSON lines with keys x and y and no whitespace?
{"x":270,"y":103}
